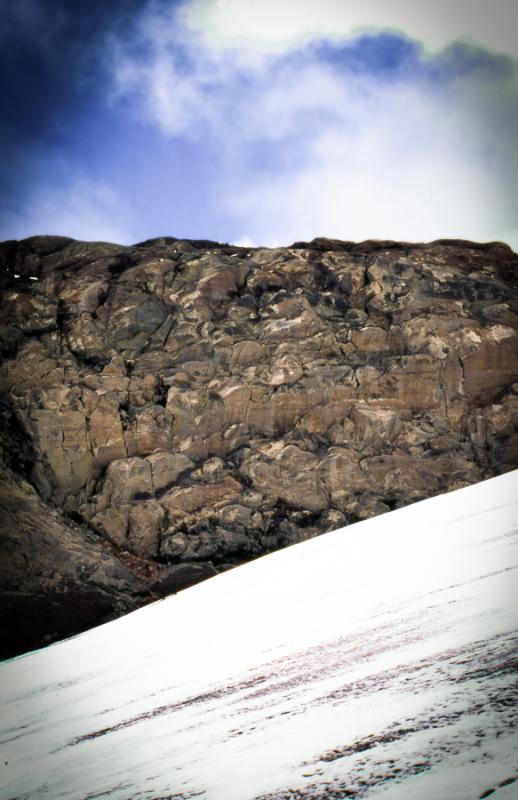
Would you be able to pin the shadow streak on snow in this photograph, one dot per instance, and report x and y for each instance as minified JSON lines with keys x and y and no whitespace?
{"x":300,"y":669}
{"x":486,"y":675}
{"x":167,"y":708}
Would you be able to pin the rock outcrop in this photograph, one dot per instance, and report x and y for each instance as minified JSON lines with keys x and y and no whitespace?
{"x":175,"y":408}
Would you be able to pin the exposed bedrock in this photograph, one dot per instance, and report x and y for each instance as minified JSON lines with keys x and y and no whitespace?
{"x":175,"y":408}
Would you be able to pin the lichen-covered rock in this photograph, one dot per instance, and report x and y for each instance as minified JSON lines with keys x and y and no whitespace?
{"x":187,"y":406}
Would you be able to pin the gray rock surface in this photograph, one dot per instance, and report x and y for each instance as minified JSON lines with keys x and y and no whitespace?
{"x":175,"y":408}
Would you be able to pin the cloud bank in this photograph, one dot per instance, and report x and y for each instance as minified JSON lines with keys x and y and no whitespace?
{"x":322,"y":129}
{"x":259,"y":120}
{"x":277,"y":24}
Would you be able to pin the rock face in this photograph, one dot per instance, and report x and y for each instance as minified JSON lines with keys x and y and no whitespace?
{"x":56,"y":577}
{"x":176,"y":408}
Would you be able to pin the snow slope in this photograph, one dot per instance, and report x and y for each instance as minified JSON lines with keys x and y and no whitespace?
{"x":377,"y":661}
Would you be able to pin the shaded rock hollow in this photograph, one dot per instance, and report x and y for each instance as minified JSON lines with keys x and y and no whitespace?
{"x":175,"y":408}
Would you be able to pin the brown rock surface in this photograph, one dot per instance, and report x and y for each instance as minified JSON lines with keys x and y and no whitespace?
{"x":175,"y":408}
{"x":57,"y":577}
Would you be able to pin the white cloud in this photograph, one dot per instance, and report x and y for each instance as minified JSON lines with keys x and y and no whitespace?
{"x":245,"y":241}
{"x":403,"y":168}
{"x":308,"y":147}
{"x":77,"y":206}
{"x":175,"y":80}
{"x":276,"y":24}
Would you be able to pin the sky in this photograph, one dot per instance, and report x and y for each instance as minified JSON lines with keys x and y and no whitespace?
{"x":259,"y":122}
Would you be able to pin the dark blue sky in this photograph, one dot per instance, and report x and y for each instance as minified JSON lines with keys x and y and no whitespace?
{"x":50,"y":71}
{"x":58,"y":118}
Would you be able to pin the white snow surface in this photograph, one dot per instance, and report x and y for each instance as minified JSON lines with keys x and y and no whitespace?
{"x":377,"y":661}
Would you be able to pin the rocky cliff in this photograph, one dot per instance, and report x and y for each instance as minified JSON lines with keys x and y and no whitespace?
{"x":175,"y":408}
